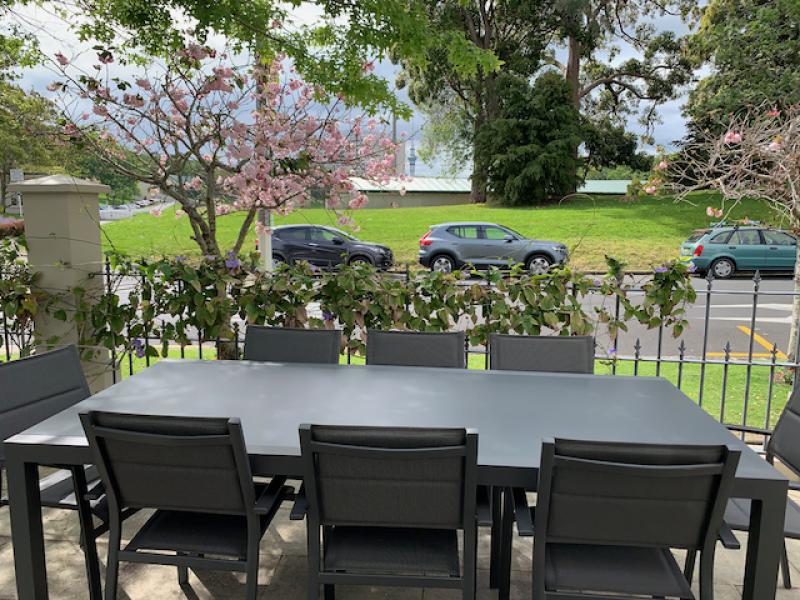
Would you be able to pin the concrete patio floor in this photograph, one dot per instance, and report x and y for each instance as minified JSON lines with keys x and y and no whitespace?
{"x":283,"y":569}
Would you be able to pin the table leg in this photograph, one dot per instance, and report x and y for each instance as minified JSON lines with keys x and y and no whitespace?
{"x":764,"y":543}
{"x":87,"y":532}
{"x":506,"y":535}
{"x":494,"y":557}
{"x":26,"y":529}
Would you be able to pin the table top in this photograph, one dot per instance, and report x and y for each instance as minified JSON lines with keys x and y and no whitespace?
{"x":512,"y":411}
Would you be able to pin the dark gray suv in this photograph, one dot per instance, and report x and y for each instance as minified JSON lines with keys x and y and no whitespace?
{"x":449,"y":246}
{"x":325,"y":247}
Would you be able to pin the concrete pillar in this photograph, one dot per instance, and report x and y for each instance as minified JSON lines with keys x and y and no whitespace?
{"x":62,"y":228}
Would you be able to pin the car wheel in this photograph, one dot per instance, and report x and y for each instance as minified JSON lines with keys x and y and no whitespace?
{"x":443,"y":264}
{"x":278,"y":259}
{"x":723,"y":268}
{"x":360,"y":260}
{"x":538,"y":264}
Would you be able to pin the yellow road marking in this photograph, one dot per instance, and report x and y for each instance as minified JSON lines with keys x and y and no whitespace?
{"x":763,"y":342}
{"x":741,"y":354}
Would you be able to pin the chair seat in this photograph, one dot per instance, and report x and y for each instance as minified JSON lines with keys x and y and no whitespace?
{"x":194,"y":533}
{"x":614,"y":569}
{"x":737,"y":515}
{"x":397,"y":551}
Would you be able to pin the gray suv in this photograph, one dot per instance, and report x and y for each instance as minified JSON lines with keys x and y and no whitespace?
{"x":449,"y":246}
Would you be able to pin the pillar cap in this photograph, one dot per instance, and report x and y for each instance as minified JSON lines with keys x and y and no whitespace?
{"x":59,"y":183}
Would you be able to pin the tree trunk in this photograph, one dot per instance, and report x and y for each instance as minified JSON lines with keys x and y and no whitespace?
{"x":573,"y":76}
{"x":791,"y":351}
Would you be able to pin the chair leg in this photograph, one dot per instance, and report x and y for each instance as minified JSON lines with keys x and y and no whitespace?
{"x":112,"y":566}
{"x":329,"y":591}
{"x":183,"y":572}
{"x":787,"y":577}
{"x":87,"y":538}
{"x":688,"y":569}
{"x":251,"y":586}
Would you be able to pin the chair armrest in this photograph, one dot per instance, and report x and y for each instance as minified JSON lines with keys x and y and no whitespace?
{"x":728,"y":538}
{"x":95,"y":492}
{"x":523,"y":512}
{"x":794,"y":486}
{"x":272,"y":496}
{"x":483,"y":507}
{"x":300,"y":505}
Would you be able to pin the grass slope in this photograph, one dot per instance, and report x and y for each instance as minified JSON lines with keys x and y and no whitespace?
{"x":644,"y":233}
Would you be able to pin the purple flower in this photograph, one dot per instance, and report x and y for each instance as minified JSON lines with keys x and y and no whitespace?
{"x":327,"y":316}
{"x":180,"y":259}
{"x":661,"y":269}
{"x":138,"y":348}
{"x":210,"y":257}
{"x":612,"y":351}
{"x":232,"y":263}
{"x":597,"y":282}
{"x":692,"y":269}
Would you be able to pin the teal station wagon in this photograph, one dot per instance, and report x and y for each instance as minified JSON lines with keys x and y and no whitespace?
{"x":725,"y":249}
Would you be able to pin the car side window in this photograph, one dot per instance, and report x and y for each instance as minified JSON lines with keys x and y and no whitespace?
{"x":495,"y":233}
{"x":294,"y":234}
{"x":720,"y":238}
{"x":467,"y":232}
{"x":746,"y":237}
{"x":322,"y":235}
{"x":777,"y":238}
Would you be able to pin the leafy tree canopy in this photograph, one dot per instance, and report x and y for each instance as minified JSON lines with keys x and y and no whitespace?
{"x":528,"y":150}
{"x":753,"y":48}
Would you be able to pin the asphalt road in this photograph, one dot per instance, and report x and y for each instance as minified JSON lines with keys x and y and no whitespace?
{"x":730,"y":321}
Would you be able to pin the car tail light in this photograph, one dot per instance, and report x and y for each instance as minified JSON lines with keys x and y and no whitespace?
{"x":699,"y":250}
{"x":424,"y":241}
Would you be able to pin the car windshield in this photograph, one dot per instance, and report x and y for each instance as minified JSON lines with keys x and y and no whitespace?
{"x":517,"y":233}
{"x":696,"y":235}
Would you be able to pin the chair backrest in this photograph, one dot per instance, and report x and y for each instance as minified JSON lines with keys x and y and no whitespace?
{"x":552,"y":353}
{"x":173,"y":463}
{"x":35,"y":388}
{"x":785,"y":440}
{"x":633,"y":494}
{"x":412,"y":349}
{"x":389,"y":477}
{"x":282,"y":344}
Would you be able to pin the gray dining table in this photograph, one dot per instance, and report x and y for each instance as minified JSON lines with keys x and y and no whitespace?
{"x":512,"y":411}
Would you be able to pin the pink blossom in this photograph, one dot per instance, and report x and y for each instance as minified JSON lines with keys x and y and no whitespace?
{"x":710,"y":211}
{"x":368,"y":67}
{"x":71,"y":129}
{"x":275,"y":24}
{"x":774,"y":113}
{"x":179,"y":213}
{"x":733,"y":137}
{"x":105,"y":57}
{"x":53,"y":87}
{"x":661,"y":166}
{"x":62,"y":60}
{"x":651,"y":189}
{"x":774,"y":146}
{"x":155,"y":212}
{"x":100,"y":110}
{"x":144,"y":84}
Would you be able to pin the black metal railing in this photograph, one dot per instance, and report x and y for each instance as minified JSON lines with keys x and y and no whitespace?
{"x":745,"y":390}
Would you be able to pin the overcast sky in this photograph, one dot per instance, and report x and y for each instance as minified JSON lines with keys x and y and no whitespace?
{"x":55,"y":36}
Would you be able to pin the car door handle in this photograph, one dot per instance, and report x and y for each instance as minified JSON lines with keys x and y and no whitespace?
{"x":773,"y":247}
{"x":313,"y":244}
{"x":731,"y":247}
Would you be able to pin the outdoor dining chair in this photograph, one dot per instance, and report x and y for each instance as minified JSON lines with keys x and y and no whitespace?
{"x":389,"y":503}
{"x":608,"y":514}
{"x":414,"y":349}
{"x":35,"y":388}
{"x":784,"y":444}
{"x":195,"y":473}
{"x":284,"y":344}
{"x":552,"y":353}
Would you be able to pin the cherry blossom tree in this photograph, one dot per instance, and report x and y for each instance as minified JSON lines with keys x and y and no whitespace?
{"x":219,"y":138}
{"x":758,"y":156}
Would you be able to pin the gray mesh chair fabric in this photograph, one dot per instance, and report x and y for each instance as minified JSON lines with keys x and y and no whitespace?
{"x":413,"y":349}
{"x":389,"y":503}
{"x":196,"y":474}
{"x":552,"y":353}
{"x":282,"y":344}
{"x":607,"y":515}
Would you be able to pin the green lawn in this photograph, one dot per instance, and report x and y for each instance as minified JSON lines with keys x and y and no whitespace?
{"x":644,"y":232}
{"x":690,"y":383}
